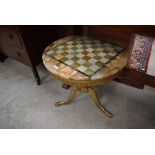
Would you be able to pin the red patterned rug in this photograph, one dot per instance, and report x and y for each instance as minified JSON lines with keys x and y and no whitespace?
{"x":139,"y":53}
{"x":141,"y":58}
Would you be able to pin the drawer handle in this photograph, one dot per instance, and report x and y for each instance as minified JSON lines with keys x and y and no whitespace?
{"x":18,"y":53}
{"x":11,"y":36}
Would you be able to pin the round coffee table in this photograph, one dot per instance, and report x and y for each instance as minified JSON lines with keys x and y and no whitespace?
{"x":81,"y":82}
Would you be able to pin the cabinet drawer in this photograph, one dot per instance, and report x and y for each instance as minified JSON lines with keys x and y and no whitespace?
{"x":10,"y":36}
{"x":15,"y":53}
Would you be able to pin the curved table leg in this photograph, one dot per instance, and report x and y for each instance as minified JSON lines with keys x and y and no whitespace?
{"x":97,"y":102}
{"x":70,"y":98}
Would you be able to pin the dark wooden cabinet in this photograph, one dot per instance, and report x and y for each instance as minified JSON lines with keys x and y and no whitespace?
{"x":26,"y":43}
{"x":11,"y":44}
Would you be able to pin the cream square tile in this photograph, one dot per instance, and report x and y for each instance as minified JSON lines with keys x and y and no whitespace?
{"x":112,"y":53}
{"x":69,"y":62}
{"x":79,"y":50}
{"x":107,"y":44}
{"x":102,"y":54}
{"x":109,"y":48}
{"x":88,"y":45}
{"x":60,"y":47}
{"x":100,"y":49}
{"x":69,"y":46}
{"x":69,"y":50}
{"x":49,"y":52}
{"x":94,"y":67}
{"x":91,"y":54}
{"x":98,"y":44}
{"x":90,"y":49}
{"x":104,"y":60}
{"x":80,"y":55}
{"x":92,"y":60}
{"x":60,"y":52}
{"x":70,"y":42}
{"x":79,"y":45}
{"x":81,"y":61}
{"x":69,"y":56}
{"x":82,"y":68}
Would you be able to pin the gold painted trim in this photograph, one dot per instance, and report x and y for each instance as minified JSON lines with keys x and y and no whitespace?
{"x":84,"y":83}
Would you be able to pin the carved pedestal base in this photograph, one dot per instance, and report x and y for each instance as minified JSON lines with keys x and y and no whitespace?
{"x":91,"y":92}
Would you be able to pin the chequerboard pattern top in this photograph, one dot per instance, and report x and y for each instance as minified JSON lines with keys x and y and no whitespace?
{"x":85,"y":54}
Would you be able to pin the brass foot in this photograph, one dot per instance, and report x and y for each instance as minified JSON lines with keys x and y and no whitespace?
{"x":97,"y":102}
{"x":70,"y":98}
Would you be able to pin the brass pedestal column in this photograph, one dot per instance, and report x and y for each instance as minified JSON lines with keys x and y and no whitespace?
{"x":88,"y":90}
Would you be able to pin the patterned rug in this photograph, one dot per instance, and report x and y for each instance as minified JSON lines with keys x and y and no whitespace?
{"x":85,"y":54}
{"x":141,"y":58}
{"x":140,"y":52}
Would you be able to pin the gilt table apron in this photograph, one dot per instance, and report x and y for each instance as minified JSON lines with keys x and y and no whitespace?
{"x":84,"y":62}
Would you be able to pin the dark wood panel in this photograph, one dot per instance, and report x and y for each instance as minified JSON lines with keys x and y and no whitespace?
{"x":35,"y":39}
{"x":10,"y":36}
{"x":67,"y":30}
{"x":138,"y":77}
{"x":119,"y":33}
{"x":15,"y":53}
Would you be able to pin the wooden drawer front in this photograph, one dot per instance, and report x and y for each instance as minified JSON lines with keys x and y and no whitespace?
{"x":15,"y":53}
{"x":10,"y":36}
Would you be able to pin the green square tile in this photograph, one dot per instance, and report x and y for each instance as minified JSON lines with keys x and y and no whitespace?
{"x":118,"y":48}
{"x":53,"y":49}
{"x":89,"y":72}
{"x":64,"y":59}
{"x":106,"y":51}
{"x":74,"y":44}
{"x":75,"y":65}
{"x":97,"y":57}
{"x":53,"y":54}
{"x":96,"y":51}
{"x":74,"y":48}
{"x":94,"y":46}
{"x":87,"y":64}
{"x":84,"y":48}
{"x":64,"y":53}
{"x":75,"y":53}
{"x":75,"y":58}
{"x":64,"y":49}
{"x":108,"y":57}
{"x":99,"y":63}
